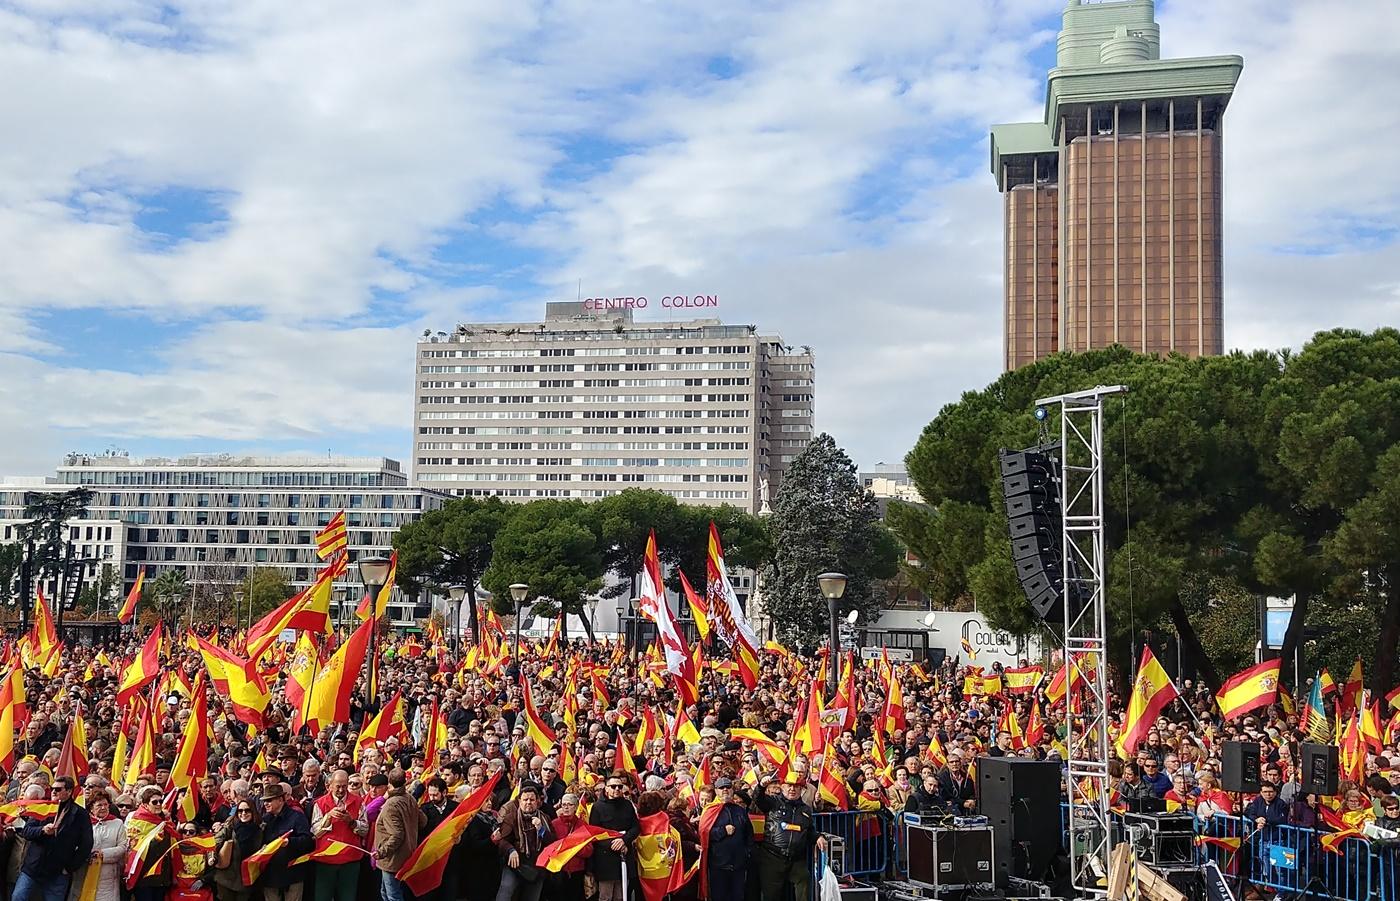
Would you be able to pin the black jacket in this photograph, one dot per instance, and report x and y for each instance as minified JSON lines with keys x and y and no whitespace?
{"x":619,"y":815}
{"x":291,"y":822}
{"x":954,"y":795}
{"x":789,"y":829}
{"x":725,"y":851}
{"x":63,"y":852}
{"x":925,"y":802}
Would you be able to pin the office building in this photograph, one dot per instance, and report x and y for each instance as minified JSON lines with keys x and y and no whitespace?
{"x":589,"y":402}
{"x":1113,"y":200}
{"x":215,"y":518}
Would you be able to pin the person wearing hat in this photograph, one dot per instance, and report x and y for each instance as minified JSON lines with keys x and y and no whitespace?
{"x":784,"y":857}
{"x":280,"y":882}
{"x":725,"y":836}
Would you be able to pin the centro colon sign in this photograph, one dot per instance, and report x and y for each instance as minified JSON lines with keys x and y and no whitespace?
{"x":670,"y":301}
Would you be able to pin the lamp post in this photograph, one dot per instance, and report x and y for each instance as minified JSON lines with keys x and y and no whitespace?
{"x":832,"y":586}
{"x":374,"y":572}
{"x":457,"y":593}
{"x":518,"y":591}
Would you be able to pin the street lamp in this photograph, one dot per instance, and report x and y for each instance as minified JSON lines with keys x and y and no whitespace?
{"x":457,"y":593}
{"x":374,"y":572}
{"x":832,"y":585}
{"x":518,"y":591}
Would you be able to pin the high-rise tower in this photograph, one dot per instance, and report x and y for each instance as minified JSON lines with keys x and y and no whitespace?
{"x":1113,"y":201}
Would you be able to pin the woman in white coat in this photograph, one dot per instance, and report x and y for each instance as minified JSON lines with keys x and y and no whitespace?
{"x":108,"y":848}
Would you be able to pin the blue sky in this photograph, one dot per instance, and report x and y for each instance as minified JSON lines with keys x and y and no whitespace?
{"x":221,"y":228}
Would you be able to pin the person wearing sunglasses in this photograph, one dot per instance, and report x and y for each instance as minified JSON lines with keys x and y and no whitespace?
{"x":57,"y":847}
{"x":613,"y":811}
{"x":238,"y":837}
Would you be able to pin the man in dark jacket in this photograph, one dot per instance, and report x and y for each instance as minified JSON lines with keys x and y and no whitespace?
{"x":521,"y":833}
{"x":280,"y":882}
{"x":785,"y":855}
{"x":613,"y":811}
{"x":956,"y":789}
{"x":57,"y":848}
{"x":726,"y":832}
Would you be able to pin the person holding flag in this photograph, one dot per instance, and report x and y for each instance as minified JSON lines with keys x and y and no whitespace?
{"x":280,"y":881}
{"x":57,"y":848}
{"x":726,"y":834}
{"x":100,"y":880}
{"x":613,"y":811}
{"x":784,"y":857}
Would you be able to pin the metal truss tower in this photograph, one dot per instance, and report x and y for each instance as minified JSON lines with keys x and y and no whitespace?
{"x":1086,"y":631}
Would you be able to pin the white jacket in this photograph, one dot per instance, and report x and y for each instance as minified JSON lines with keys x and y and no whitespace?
{"x":108,"y":841}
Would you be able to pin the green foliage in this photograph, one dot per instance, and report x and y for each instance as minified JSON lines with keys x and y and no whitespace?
{"x":552,"y":546}
{"x":824,"y":519}
{"x":166,"y":596}
{"x":451,"y":546}
{"x":48,"y":514}
{"x":11,"y":555}
{"x":267,"y":586}
{"x":102,"y":592}
{"x":1277,"y":473}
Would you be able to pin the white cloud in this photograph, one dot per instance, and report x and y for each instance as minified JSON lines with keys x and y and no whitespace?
{"x":832,"y":187}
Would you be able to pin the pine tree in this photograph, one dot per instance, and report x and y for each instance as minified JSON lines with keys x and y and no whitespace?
{"x":824,"y":520}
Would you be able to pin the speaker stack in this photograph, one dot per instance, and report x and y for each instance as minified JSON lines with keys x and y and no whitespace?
{"x":1239,"y":770}
{"x":1021,"y":800}
{"x":1321,"y":774}
{"x":1030,"y":484}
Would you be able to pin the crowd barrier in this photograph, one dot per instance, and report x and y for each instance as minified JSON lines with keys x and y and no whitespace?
{"x":1286,"y":859}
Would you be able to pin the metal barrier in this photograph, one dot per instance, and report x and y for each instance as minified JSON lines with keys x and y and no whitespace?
{"x":1291,"y":859}
{"x":867,"y":835}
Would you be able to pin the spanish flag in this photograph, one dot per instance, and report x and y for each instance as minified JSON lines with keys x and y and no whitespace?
{"x":1153,"y":690}
{"x":1252,"y":688}
{"x":536,"y":728}
{"x":330,"y":695}
{"x":237,"y":678}
{"x":265,"y":631}
{"x":1332,"y":842}
{"x":128,"y":609}
{"x":659,"y":864}
{"x":423,"y":869}
{"x":555,"y":855}
{"x":313,"y":614}
{"x":1351,"y":691}
{"x":831,"y":787}
{"x":255,"y":863}
{"x":332,"y":538}
{"x":1022,"y":681}
{"x":330,"y":851}
{"x":381,"y":603}
{"x":143,"y":670}
{"x":388,"y":723}
{"x":698,"y":610}
{"x":192,"y":760}
{"x":72,"y":757}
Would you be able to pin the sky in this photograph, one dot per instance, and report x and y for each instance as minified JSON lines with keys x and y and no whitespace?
{"x":222,"y":225}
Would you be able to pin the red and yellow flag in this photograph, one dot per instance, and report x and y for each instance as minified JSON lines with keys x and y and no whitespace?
{"x":238,"y":679}
{"x":330,"y":695}
{"x":1022,"y":681}
{"x":313,"y":614}
{"x":388,"y":723}
{"x":1153,"y":690}
{"x":381,"y":603}
{"x":72,"y":757}
{"x":144,"y":669}
{"x":699,"y":611}
{"x":556,"y":854}
{"x":1351,"y":691}
{"x":333,"y":538}
{"x":424,"y":867}
{"x":128,"y":609}
{"x":255,"y":863}
{"x":539,"y":732}
{"x":192,"y":760}
{"x":1247,"y":690}
{"x":330,"y":851}
{"x":659,"y":864}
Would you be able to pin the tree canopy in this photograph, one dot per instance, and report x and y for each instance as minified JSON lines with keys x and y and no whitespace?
{"x":1274,"y":471}
{"x":824,"y":519}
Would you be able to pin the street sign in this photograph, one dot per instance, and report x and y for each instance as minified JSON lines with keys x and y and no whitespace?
{"x":902,"y":655}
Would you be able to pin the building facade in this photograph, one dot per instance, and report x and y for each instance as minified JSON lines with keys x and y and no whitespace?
{"x":1113,"y":202}
{"x":216,"y":518}
{"x":589,"y":402}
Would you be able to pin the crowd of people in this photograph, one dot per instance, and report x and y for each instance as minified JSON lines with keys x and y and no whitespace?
{"x":741,"y":774}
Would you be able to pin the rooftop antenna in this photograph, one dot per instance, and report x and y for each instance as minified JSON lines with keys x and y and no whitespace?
{"x":580,"y":289}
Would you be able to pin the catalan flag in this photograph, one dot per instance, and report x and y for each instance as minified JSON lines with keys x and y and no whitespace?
{"x":1247,"y":690}
{"x":144,"y":669}
{"x":555,"y":855}
{"x":1153,"y":690}
{"x":424,"y":867}
{"x":332,"y":539}
{"x":128,"y":609}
